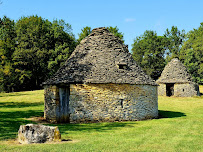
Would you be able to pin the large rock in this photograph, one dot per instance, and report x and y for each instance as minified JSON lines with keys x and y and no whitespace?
{"x":33,"y":133}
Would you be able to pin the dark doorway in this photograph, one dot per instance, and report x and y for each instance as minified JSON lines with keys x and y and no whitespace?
{"x":169,"y":89}
{"x":63,"y":111}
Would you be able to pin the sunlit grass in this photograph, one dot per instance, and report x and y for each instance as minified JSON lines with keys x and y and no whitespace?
{"x":178,"y":129}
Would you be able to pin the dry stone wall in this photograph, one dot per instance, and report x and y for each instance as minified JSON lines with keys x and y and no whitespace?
{"x":186,"y":90}
{"x":110,"y":102}
{"x":162,"y":90}
{"x":51,"y":104}
{"x":105,"y":102}
{"x":180,"y":89}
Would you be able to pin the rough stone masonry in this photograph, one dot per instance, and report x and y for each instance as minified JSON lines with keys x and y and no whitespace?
{"x":180,"y":82}
{"x":100,"y":82}
{"x":104,"y":102}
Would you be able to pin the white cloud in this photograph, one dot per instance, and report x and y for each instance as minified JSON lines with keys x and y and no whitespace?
{"x":129,"y":20}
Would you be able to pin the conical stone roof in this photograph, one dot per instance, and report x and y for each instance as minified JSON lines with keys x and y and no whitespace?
{"x":100,"y":58}
{"x":174,"y":72}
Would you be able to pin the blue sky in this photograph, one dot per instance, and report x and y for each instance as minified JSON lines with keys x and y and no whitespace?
{"x":132,"y":17}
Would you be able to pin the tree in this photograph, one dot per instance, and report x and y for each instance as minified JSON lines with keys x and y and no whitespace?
{"x":87,"y":30}
{"x":7,"y":46}
{"x":65,"y":44}
{"x":148,"y":51}
{"x":37,"y":52}
{"x":7,"y":38}
{"x":175,"y":39}
{"x":191,"y":53}
{"x":116,"y":32}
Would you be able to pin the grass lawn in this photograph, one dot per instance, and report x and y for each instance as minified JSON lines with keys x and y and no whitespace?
{"x":179,"y":129}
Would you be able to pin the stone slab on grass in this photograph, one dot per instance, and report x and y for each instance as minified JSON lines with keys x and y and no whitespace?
{"x":34,"y":133}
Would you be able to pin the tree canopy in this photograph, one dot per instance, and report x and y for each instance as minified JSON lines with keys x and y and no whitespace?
{"x":7,"y":47}
{"x":191,"y":54}
{"x":84,"y":32}
{"x":35,"y":49}
{"x":152,"y":52}
{"x":32,"y":49}
{"x":116,"y":32}
{"x":148,"y":51}
{"x":87,"y":30}
{"x":175,"y":39}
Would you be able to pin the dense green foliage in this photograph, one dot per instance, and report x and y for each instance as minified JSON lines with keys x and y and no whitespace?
{"x":8,"y":75}
{"x":178,"y":129}
{"x":84,"y":32}
{"x":32,"y":49}
{"x":87,"y":30}
{"x":152,"y":52}
{"x":191,"y":53}
{"x":148,"y":51}
{"x":116,"y":32}
{"x":175,"y":39}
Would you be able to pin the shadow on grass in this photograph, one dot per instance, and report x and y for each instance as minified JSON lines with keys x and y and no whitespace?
{"x":200,"y":94}
{"x":170,"y":114}
{"x":18,"y":104}
{"x":11,"y":121}
{"x":13,"y":94}
{"x":92,"y":127}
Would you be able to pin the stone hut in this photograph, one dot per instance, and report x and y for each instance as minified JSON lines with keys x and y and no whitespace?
{"x":176,"y":81}
{"x":100,"y":82}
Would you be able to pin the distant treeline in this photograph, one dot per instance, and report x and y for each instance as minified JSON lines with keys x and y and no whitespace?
{"x":32,"y":49}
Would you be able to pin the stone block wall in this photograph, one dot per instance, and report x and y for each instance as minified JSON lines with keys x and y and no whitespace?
{"x":186,"y":90}
{"x":181,"y":89}
{"x":51,"y":104}
{"x":105,"y":102}
{"x":111,"y":102}
{"x":162,"y":90}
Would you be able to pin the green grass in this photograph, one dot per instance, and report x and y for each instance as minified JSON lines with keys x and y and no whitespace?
{"x":180,"y":127}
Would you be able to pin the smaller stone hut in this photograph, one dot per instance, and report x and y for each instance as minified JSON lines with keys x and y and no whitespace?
{"x":176,"y":81}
